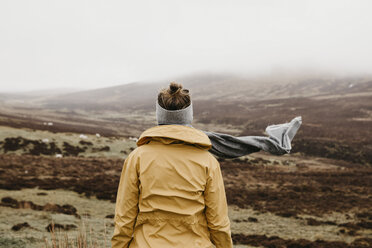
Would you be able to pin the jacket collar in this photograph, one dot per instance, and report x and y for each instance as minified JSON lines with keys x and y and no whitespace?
{"x":168,"y":134}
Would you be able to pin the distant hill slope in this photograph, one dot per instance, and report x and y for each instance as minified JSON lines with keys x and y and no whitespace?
{"x":336,"y":111}
{"x":221,"y":88}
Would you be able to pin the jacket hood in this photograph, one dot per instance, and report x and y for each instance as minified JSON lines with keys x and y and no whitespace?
{"x":168,"y":134}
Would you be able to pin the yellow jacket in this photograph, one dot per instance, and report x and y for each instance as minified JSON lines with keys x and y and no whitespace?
{"x":171,"y":193}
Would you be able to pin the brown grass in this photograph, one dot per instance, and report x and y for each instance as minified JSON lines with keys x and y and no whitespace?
{"x":83,"y":238}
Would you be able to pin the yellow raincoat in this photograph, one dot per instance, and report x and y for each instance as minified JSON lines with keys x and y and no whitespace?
{"x":171,"y":193}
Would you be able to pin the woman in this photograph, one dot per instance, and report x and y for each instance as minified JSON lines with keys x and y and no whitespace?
{"x":171,"y":191}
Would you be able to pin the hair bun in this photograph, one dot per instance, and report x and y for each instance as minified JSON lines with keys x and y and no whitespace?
{"x":174,"y":97}
{"x":174,"y":88}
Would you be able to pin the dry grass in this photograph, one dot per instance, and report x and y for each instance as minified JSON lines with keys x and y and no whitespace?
{"x":118,"y":147}
{"x":83,"y":238}
{"x":93,"y":214}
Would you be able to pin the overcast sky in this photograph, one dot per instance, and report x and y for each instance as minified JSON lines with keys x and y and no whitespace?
{"x":92,"y":43}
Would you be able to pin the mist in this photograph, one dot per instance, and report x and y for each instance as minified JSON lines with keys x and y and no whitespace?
{"x":90,"y":44}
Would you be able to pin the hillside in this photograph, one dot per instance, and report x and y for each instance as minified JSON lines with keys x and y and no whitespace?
{"x":221,"y":88}
{"x":336,"y":111}
{"x":61,"y":156}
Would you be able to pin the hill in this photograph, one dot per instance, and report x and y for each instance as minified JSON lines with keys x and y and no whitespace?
{"x":220,"y":88}
{"x":336,"y":111}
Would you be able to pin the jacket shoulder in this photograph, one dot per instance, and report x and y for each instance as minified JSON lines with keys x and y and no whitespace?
{"x":213,"y":163}
{"x":133,"y":155}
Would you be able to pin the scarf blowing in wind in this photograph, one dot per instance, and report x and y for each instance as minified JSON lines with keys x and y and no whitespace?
{"x":227,"y":146}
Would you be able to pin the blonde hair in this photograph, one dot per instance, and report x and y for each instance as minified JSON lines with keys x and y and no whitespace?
{"x":174,"y":97}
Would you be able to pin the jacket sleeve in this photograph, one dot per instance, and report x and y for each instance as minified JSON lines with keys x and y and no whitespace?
{"x":216,"y":207}
{"x":126,"y":208}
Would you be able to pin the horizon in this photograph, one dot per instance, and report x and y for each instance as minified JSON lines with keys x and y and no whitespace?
{"x":277,"y":74}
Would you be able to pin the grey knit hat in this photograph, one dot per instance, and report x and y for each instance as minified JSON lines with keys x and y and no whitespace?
{"x":179,"y":117}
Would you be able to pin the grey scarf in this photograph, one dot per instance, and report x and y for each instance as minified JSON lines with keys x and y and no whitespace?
{"x":228,"y":146}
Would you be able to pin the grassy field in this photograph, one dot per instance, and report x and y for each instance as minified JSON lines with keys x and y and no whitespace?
{"x":41,"y":142}
{"x":286,"y":201}
{"x":336,"y":125}
{"x":317,"y":196}
{"x":94,"y":212}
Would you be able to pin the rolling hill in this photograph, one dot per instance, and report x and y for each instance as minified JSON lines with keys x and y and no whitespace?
{"x":219,"y":88}
{"x":336,"y":111}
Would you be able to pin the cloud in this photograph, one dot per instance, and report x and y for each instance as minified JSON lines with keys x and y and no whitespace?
{"x":95,"y":43}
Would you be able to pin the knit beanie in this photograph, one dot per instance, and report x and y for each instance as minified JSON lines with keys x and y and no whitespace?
{"x":179,"y":117}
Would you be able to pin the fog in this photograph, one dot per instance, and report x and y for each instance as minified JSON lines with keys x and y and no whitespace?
{"x":90,"y":44}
